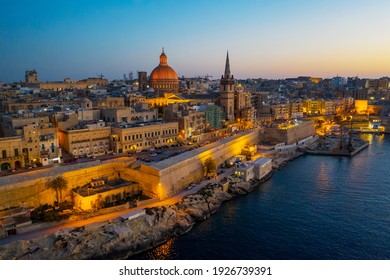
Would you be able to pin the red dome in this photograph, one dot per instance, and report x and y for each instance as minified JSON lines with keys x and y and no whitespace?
{"x":163,"y":77}
{"x":163,"y":72}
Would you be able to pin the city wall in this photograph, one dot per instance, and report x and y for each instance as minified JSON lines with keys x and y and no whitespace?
{"x":289,"y":136}
{"x":170,"y":176}
{"x":157,"y":180}
{"x":29,"y":191}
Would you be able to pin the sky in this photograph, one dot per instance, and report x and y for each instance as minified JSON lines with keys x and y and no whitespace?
{"x":265,"y":38}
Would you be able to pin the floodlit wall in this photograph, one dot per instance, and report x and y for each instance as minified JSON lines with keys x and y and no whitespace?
{"x":157,"y":180}
{"x":291,"y":135}
{"x":172,"y":175}
{"x":27,"y":191}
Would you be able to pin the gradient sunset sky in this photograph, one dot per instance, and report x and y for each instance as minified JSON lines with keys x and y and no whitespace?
{"x":265,"y":39}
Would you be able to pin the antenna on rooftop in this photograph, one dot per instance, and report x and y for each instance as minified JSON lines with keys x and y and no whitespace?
{"x":101,"y":76}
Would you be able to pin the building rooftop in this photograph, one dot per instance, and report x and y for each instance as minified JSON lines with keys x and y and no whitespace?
{"x":262,"y":160}
{"x":199,"y":96}
{"x":161,"y":165}
{"x":110,"y":185}
{"x":140,"y":124}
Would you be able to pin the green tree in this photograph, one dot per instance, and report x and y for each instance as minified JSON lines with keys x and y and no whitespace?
{"x":58,"y":184}
{"x":210,"y":166}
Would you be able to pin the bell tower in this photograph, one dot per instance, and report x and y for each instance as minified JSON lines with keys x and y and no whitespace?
{"x":226,"y":98}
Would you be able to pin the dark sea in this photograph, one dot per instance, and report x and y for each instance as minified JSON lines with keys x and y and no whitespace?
{"x":316,"y":207}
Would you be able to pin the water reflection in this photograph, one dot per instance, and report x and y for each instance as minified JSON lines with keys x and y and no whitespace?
{"x":373,"y":137}
{"x":367,"y":137}
{"x":323,"y":177}
{"x":164,"y":251}
{"x":314,"y":208}
{"x":230,"y":213}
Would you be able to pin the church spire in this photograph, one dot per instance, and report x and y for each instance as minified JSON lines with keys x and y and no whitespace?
{"x":227,"y":67}
{"x":227,"y":78}
{"x":226,"y":97}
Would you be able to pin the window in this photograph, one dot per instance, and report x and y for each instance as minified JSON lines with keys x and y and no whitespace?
{"x":16,"y":152}
{"x":4,"y":152}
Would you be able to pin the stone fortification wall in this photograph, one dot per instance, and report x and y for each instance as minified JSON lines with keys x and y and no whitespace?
{"x":157,"y":180}
{"x":289,"y":136}
{"x":28,"y":189}
{"x":300,"y":132}
{"x":145,"y":176}
{"x":168,"y":177}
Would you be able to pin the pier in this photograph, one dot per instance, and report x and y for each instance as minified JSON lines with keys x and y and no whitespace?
{"x":336,"y":146}
{"x":339,"y":153}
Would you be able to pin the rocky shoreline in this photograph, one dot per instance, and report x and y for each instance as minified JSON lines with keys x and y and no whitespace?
{"x":123,"y":238}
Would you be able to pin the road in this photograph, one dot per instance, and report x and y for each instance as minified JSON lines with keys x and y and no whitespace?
{"x":56,"y":226}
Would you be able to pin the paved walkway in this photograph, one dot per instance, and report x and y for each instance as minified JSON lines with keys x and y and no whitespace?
{"x":56,"y":226}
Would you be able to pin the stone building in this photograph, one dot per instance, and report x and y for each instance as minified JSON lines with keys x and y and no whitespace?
{"x":131,"y":138}
{"x":110,"y":102}
{"x":41,"y":143}
{"x":142,"y":81}
{"x":245,"y":113}
{"x":192,"y":122}
{"x":128,"y":114}
{"x":289,"y":134}
{"x":39,"y":137}
{"x":85,"y":141}
{"x":100,"y":192}
{"x":31,"y":77}
{"x":31,"y":80}
{"x":12,"y":153}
